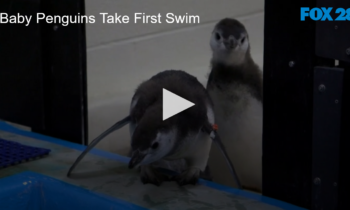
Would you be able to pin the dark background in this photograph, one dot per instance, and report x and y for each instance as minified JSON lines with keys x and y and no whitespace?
{"x":43,"y":70}
{"x":305,"y":132}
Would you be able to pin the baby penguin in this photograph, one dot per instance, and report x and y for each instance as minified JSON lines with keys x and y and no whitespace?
{"x":181,"y":142}
{"x":235,"y":86}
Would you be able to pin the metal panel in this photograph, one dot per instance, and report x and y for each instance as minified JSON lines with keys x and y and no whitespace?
{"x":289,"y":60}
{"x":65,"y":73}
{"x":21,"y":70}
{"x":332,"y":37}
{"x":344,"y":172}
{"x":328,"y":85}
{"x":43,"y":70}
{"x":291,"y":159}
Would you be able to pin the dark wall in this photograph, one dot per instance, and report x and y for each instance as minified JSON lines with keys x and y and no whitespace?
{"x":305,"y":135}
{"x":43,"y":70}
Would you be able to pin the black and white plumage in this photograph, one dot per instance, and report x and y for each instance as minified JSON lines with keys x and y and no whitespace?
{"x":183,"y":139}
{"x":176,"y":138}
{"x":235,"y":86}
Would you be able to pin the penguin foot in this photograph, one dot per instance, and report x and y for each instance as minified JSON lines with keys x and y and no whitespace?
{"x":190,"y":176}
{"x":150,"y":175}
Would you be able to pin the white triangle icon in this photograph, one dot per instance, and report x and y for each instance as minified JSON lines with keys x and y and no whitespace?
{"x":173,"y":104}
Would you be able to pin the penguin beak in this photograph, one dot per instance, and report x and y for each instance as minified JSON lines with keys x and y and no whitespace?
{"x":229,"y":44}
{"x":136,"y":158}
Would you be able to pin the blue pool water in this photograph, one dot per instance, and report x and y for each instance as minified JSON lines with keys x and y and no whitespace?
{"x":29,"y":191}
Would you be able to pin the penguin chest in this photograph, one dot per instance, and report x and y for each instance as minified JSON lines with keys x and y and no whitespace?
{"x":239,"y":119}
{"x":236,"y":111}
{"x":192,"y":144}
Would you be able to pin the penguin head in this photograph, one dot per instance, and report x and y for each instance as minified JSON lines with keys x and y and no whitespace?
{"x":229,"y":41}
{"x":152,"y":140}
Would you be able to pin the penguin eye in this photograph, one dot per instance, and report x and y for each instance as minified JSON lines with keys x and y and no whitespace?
{"x":155,"y":145}
{"x":217,"y":36}
{"x":242,"y":40}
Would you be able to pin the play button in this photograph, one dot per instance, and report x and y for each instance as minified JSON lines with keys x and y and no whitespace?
{"x":173,"y":104}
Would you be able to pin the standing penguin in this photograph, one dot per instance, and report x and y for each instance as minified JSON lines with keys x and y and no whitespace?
{"x":183,"y":139}
{"x":235,"y":85}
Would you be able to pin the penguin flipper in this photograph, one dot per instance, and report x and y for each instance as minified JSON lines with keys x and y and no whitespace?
{"x":113,"y":128}
{"x":216,"y":138}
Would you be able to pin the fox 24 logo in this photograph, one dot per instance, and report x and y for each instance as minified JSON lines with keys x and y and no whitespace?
{"x":323,"y":14}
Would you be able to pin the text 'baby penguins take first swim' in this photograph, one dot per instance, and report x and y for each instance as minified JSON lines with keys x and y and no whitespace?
{"x":186,"y":136}
{"x":235,"y":85}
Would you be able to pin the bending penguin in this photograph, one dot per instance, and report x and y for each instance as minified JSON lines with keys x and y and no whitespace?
{"x":235,"y":85}
{"x":186,"y":136}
